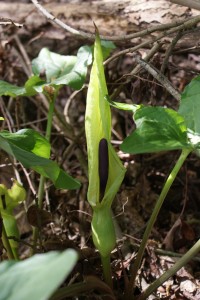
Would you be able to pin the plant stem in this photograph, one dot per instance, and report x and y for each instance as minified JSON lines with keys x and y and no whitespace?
{"x":168,"y":183}
{"x":106,"y":265}
{"x":51,"y":98}
{"x":6,"y":244}
{"x":178,"y":265}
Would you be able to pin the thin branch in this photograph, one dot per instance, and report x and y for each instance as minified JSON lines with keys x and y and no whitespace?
{"x":186,"y":25}
{"x":169,"y":51}
{"x":160,"y":77}
{"x":60,"y":23}
{"x":7,"y":21}
{"x":189,"y":3}
{"x":91,"y":36}
{"x":149,"y":55}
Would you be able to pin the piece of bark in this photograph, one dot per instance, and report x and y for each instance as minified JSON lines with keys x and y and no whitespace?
{"x":112,"y":17}
{"x":188,"y":3}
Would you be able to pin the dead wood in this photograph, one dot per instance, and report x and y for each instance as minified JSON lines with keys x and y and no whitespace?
{"x":111,"y":17}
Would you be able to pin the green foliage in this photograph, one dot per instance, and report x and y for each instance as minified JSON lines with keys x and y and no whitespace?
{"x":107,"y":47}
{"x":50,"y":68}
{"x":9,"y":199}
{"x":33,"y":151}
{"x":37,"y":277}
{"x":60,"y":69}
{"x":162,"y":129}
{"x":157,"y":129}
{"x":190,"y":105}
{"x":190,"y":110}
{"x":29,"y":147}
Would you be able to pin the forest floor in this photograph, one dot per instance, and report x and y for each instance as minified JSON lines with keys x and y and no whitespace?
{"x":67,"y":214}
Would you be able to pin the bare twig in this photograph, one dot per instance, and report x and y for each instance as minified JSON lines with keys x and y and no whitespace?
{"x":169,"y":51}
{"x":189,"y":23}
{"x":160,"y":77}
{"x":91,"y":36}
{"x":60,"y":23}
{"x":7,"y":21}
{"x":149,"y":55}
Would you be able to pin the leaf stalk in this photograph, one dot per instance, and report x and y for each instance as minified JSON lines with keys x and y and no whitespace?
{"x":168,"y":183}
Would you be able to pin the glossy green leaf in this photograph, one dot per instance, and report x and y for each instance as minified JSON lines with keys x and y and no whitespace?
{"x":11,"y":90}
{"x":190,"y":105}
{"x":52,"y":65}
{"x":32,"y":150}
{"x":1,"y":118}
{"x":29,"y":140}
{"x":36,"y":277}
{"x":157,"y":129}
{"x":107,"y":47}
{"x":98,"y":126}
{"x":50,"y":68}
{"x":190,"y":110}
{"x":60,"y":69}
{"x":33,"y":84}
{"x":76,"y":77}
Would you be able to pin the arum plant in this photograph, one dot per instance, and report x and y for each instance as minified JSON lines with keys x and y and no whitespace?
{"x":164,"y":129}
{"x":105,"y":170}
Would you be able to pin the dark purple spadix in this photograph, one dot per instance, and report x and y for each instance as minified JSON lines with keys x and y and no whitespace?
{"x":103,"y":166}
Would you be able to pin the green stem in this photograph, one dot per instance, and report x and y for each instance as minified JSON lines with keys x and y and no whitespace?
{"x":106,"y":265}
{"x":7,"y":245}
{"x":168,"y":183}
{"x":178,"y":265}
{"x":51,"y":98}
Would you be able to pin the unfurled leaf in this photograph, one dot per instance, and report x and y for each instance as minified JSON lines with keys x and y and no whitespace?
{"x":36,"y":277}
{"x":33,"y":151}
{"x":157,"y":129}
